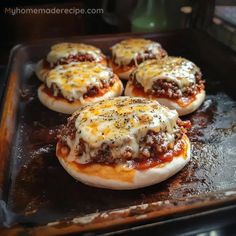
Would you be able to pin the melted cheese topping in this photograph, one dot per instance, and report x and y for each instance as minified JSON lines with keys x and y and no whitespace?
{"x":127,"y":50}
{"x":64,"y":50}
{"x":75,"y":79}
{"x":174,"y":69}
{"x":120,"y":123}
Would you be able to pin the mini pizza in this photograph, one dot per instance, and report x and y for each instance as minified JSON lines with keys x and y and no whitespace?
{"x":65,"y":53}
{"x":127,"y":54}
{"x":67,"y":87}
{"x":173,"y":81}
{"x":123,"y":143}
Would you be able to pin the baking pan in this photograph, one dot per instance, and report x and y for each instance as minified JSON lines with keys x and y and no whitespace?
{"x":38,"y":197}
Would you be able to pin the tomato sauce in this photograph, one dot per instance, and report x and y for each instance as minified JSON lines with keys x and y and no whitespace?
{"x":120,"y":69}
{"x":183,"y":102}
{"x":180,"y":149}
{"x":59,"y":96}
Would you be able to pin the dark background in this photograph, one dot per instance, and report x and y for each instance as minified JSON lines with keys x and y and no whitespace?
{"x":117,"y":17}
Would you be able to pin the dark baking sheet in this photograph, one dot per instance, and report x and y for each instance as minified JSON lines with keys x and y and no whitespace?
{"x":38,"y":196}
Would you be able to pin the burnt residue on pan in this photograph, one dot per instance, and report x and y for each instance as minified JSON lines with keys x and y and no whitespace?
{"x":44,"y":192}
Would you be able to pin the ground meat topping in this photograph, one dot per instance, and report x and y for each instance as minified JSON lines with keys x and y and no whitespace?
{"x":68,"y":130}
{"x":78,"y":80}
{"x":152,"y":145}
{"x":120,"y":129}
{"x":133,"y":51}
{"x":139,"y":58}
{"x":69,"y":59}
{"x":164,"y":88}
{"x":155,"y":144}
{"x":91,"y":92}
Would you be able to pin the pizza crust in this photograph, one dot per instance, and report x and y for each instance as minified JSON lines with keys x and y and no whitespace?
{"x":200,"y":97}
{"x":122,"y":75}
{"x":40,"y":71}
{"x":142,"y":178}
